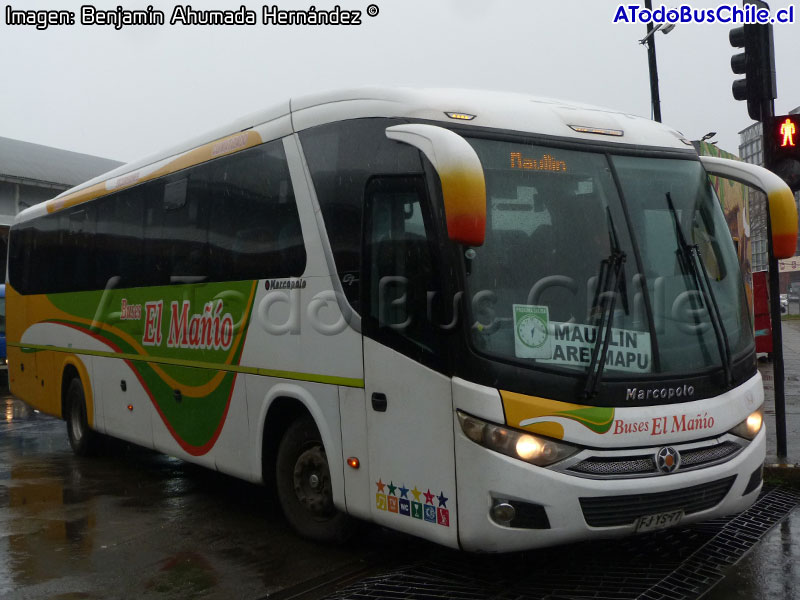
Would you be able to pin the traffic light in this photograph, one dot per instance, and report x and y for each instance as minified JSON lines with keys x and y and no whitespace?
{"x":756,"y":63}
{"x":782,"y":148}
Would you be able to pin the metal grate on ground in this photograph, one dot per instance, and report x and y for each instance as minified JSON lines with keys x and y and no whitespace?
{"x":668,"y":565}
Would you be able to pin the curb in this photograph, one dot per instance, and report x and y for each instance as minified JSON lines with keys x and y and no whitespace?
{"x":786,"y":472}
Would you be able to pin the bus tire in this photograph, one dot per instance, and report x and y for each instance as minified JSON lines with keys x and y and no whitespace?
{"x":303,"y":483}
{"x":81,"y":437}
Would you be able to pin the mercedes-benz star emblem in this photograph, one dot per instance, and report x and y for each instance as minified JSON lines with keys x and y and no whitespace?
{"x":667,"y":459}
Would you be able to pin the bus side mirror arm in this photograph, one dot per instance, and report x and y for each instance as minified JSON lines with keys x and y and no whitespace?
{"x":461,"y":175}
{"x":782,"y":207}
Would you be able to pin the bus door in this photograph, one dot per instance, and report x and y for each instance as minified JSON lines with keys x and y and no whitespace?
{"x":408,"y":399}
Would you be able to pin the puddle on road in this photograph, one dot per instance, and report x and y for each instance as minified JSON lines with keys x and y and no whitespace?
{"x":13,"y":410}
{"x":770,"y":570}
{"x":135,"y":523}
{"x":184,"y":575}
{"x":46,"y":517}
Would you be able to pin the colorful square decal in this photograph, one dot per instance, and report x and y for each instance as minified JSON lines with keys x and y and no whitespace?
{"x":405,"y":507}
{"x":443,"y":516}
{"x":430,"y":513}
{"x":411,"y":501}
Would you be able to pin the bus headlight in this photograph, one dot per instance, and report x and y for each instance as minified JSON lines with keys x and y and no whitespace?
{"x":537,"y":450}
{"x":750,"y":427}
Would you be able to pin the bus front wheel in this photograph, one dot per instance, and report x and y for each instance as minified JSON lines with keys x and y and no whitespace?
{"x":303,"y":482}
{"x":81,"y":437}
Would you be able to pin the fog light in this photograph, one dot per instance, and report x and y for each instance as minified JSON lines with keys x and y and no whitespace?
{"x":503,"y":512}
{"x":519,"y":514}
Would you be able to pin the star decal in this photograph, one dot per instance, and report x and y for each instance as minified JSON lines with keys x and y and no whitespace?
{"x":442,"y":500}
{"x":429,"y":497}
{"x":380,"y":485}
{"x":392,"y":488}
{"x":416,"y":493}
{"x":403,"y":491}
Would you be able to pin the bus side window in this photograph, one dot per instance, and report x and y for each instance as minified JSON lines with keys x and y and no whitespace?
{"x":45,"y":251}
{"x":254,"y":226}
{"x":341,"y":157}
{"x":21,"y":259}
{"x":398,"y":267}
{"x":185,"y":222}
{"x":78,"y":248}
{"x":118,"y":242}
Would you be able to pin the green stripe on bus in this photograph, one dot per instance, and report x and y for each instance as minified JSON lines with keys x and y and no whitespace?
{"x":312,"y":377}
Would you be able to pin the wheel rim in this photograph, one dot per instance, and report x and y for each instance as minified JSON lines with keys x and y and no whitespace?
{"x":312,"y":483}
{"x":76,"y":421}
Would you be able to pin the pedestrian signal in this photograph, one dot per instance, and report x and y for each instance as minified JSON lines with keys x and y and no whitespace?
{"x":782,"y":147}
{"x":786,"y":133}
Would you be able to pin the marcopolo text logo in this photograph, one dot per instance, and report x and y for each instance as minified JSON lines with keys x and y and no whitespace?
{"x":660,"y":393}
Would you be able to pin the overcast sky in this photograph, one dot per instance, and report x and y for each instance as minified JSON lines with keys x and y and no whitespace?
{"x":124,"y":94}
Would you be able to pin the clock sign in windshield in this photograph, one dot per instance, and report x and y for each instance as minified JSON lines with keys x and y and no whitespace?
{"x":532,"y":338}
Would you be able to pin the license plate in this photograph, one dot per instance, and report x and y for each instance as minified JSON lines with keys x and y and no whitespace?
{"x":658,"y":521}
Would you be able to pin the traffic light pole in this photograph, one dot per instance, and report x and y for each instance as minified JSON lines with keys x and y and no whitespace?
{"x":759,"y":89}
{"x":777,"y":348}
{"x":767,"y":112}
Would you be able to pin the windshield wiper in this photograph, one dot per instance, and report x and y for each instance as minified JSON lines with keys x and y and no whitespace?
{"x":612,"y":280}
{"x":689,"y":255}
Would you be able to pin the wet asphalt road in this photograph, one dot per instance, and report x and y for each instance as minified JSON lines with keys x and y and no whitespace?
{"x":770,"y":571}
{"x":136,"y":524}
{"x":791,"y":365}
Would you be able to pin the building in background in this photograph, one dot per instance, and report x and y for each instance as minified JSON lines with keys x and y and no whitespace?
{"x":31,"y":173}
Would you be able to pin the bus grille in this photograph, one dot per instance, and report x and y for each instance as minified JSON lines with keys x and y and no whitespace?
{"x":629,"y":465}
{"x":701,"y":456}
{"x":640,"y":465}
{"x":613,"y":511}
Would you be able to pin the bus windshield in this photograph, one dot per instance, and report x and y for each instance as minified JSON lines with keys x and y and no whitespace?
{"x":590,"y":251}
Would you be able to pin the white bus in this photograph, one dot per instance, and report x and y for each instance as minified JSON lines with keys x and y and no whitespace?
{"x":489,"y":320}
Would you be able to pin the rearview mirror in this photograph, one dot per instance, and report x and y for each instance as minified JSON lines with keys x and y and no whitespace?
{"x":461,"y":176}
{"x":782,"y":209}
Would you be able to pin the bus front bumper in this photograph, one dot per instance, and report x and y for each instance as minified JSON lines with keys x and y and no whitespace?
{"x":557,"y":508}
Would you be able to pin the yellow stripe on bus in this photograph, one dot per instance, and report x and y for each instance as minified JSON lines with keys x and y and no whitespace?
{"x":312,"y":377}
{"x":221,"y":147}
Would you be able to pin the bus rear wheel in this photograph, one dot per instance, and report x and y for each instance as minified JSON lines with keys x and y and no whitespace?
{"x":303,"y":482}
{"x":81,"y":437}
